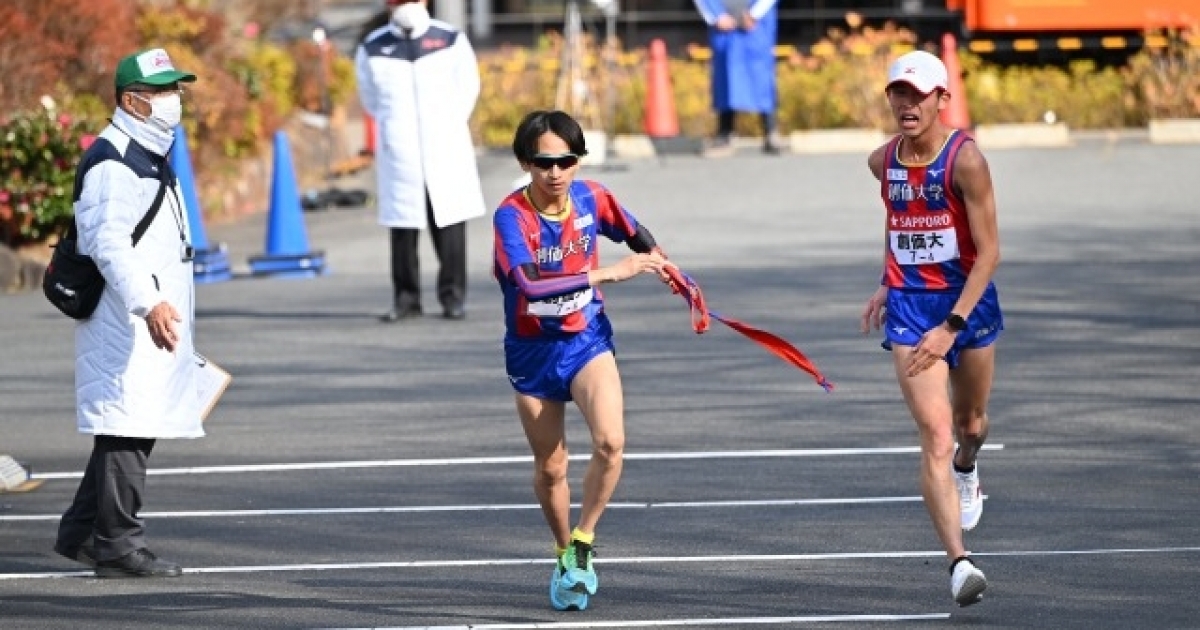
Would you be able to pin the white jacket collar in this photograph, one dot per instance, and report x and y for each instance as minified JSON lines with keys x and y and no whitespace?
{"x":155,"y":140}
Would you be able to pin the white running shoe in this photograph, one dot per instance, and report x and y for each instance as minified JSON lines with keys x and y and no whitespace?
{"x":967,"y":583}
{"x":970,"y":497}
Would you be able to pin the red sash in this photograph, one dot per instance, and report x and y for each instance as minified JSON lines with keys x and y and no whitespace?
{"x":683,"y":284}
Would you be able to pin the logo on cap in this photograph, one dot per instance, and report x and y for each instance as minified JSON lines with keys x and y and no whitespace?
{"x":154,"y":62}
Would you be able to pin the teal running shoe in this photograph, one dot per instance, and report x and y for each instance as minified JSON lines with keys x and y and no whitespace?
{"x":579,"y":576}
{"x":562,"y":598}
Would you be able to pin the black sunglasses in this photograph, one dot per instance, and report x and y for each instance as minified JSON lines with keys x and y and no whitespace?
{"x":563,"y":162}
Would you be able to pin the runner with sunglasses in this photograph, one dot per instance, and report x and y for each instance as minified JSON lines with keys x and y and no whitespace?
{"x":558,"y":344}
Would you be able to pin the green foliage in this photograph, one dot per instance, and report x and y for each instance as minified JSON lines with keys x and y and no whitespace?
{"x":1166,"y":81}
{"x":319,"y":78}
{"x":693,"y":98}
{"x":45,"y":43}
{"x":266,"y":72}
{"x":840,"y":85}
{"x":38,"y":153}
{"x":1081,"y":95}
{"x":247,"y":87}
{"x":342,"y":81}
{"x":516,"y":81}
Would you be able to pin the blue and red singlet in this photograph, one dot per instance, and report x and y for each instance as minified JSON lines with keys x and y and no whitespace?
{"x":929,"y":237}
{"x":565,"y":246}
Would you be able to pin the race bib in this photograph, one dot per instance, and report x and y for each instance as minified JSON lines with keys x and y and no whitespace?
{"x":925,"y":247}
{"x":562,"y":305}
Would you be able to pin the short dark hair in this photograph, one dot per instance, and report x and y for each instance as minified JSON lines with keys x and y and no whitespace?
{"x":536,"y":123}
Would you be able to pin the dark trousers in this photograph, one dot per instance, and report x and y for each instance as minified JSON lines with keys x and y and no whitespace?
{"x":450,"y":244}
{"x":108,"y":500}
{"x":725,"y":123}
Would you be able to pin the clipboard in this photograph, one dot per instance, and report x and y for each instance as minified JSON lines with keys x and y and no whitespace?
{"x":211,"y":382}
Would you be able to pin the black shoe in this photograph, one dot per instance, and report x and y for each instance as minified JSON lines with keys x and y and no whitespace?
{"x":140,"y":563}
{"x":771,"y":148}
{"x":454,"y":311}
{"x":84,"y":554}
{"x":401,"y":312}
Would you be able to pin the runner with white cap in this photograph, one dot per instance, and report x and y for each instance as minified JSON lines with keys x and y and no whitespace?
{"x":936,"y":303}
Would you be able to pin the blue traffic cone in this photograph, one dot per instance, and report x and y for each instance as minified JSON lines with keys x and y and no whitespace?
{"x":210,"y":264}
{"x":287,"y":252}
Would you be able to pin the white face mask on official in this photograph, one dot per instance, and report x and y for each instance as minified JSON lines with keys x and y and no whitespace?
{"x":412,"y":17}
{"x":165,"y":111}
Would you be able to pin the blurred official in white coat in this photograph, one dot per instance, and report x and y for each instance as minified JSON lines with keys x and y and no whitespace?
{"x":418,"y":78}
{"x":134,"y":364}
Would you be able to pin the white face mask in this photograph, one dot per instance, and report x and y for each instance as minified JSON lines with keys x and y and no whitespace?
{"x":165,"y":111}
{"x":411,"y":16}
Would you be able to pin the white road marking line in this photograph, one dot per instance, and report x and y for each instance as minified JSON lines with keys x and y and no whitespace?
{"x":661,"y":623}
{"x":485,"y":508}
{"x":664,"y":560}
{"x":522,"y":459}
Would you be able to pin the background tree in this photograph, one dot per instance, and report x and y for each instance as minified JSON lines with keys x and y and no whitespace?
{"x":56,"y":46}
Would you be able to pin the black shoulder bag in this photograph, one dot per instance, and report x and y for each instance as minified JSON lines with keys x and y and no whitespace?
{"x":72,"y":281}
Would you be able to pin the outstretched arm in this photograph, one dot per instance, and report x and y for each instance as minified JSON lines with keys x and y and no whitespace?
{"x":642,"y":241}
{"x":535,"y":285}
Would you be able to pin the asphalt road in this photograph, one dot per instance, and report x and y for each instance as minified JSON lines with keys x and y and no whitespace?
{"x":364,"y":475}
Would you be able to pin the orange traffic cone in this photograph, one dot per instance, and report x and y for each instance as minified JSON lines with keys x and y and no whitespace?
{"x":955,"y":115}
{"x":661,"y":120}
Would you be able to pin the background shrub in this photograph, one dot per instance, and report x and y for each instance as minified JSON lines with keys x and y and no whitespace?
{"x":1166,"y":81}
{"x":38,"y":153}
{"x":65,"y":51}
{"x":250,"y":87}
{"x":840,"y":85}
{"x":1081,"y":95}
{"x":61,"y":46}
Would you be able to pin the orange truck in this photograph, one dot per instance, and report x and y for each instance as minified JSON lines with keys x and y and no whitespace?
{"x":1029,"y":16}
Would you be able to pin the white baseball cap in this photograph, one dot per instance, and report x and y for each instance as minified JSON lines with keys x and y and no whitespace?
{"x":923,"y":71}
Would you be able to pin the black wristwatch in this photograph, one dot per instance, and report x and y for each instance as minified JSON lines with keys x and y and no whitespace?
{"x":955,"y":322}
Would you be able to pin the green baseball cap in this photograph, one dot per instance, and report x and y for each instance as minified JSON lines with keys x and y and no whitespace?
{"x":150,"y":67}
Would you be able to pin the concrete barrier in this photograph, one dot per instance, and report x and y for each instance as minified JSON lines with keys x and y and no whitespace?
{"x":633,"y":147}
{"x":1175,"y":131}
{"x":596,"y":142}
{"x":1014,"y":136}
{"x":999,"y":136}
{"x":836,"y":140}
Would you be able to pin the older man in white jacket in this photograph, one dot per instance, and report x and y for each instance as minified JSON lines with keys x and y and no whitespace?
{"x":134,"y":363}
{"x":418,"y":78}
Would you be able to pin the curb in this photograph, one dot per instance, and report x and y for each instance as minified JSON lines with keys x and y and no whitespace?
{"x":1021,"y":136}
{"x":989,"y":137}
{"x":834,"y":141}
{"x":826,"y":141}
{"x":1175,"y":131}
